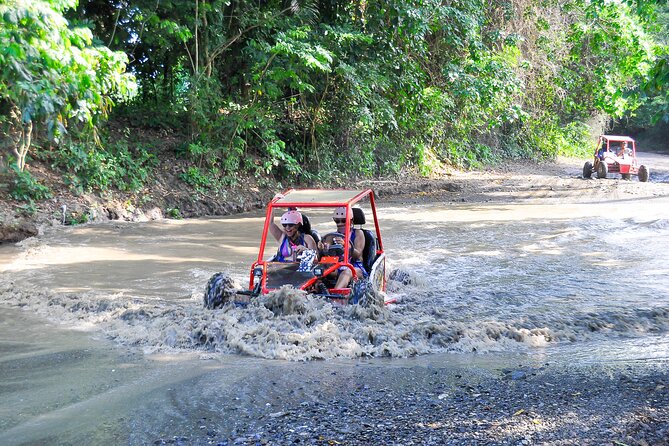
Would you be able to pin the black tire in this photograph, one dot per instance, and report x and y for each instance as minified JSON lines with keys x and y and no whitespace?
{"x":602,"y":170}
{"x":371,"y":299}
{"x":644,"y":174}
{"x":220,"y":290}
{"x":587,"y":170}
{"x":364,"y":295}
{"x":401,"y":276}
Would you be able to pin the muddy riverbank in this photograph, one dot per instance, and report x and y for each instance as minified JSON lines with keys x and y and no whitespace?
{"x":512,"y":181}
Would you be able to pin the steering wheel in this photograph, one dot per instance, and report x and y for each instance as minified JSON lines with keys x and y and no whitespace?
{"x":336,"y":249}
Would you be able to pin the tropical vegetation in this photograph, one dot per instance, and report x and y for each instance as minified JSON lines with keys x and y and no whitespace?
{"x":303,"y":90}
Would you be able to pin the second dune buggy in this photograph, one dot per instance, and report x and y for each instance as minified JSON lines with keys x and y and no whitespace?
{"x":615,"y":154}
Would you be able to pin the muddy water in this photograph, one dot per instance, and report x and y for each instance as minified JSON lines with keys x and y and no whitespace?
{"x":483,"y":279}
{"x":549,"y":279}
{"x":104,"y":336}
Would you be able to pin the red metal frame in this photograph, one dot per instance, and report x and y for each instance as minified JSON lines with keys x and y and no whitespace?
{"x":620,"y":165}
{"x":331,"y":204}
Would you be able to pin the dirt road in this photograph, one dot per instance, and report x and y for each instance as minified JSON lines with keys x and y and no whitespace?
{"x":542,"y":183}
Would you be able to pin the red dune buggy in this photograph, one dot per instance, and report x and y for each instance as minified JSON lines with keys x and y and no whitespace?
{"x":615,"y":154}
{"x":316,"y":271}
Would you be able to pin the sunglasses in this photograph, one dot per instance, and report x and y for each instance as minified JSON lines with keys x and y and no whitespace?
{"x":339,"y":220}
{"x":289,"y":225}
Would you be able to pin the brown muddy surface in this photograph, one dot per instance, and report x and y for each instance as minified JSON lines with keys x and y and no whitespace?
{"x":513,"y":181}
{"x":104,"y":340}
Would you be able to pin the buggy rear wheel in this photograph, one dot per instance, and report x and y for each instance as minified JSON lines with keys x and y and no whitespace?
{"x":643,"y":173}
{"x":587,"y":169}
{"x":602,"y":169}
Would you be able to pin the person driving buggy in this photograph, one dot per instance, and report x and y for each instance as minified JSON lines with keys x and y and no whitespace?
{"x":292,"y":241}
{"x":623,"y":150}
{"x":357,"y":245}
{"x":601,"y":151}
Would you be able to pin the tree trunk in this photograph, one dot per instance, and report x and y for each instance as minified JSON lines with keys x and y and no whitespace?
{"x":23,"y":144}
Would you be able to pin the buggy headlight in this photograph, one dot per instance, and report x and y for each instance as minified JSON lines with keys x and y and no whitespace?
{"x":318,"y":271}
{"x":257,"y":271}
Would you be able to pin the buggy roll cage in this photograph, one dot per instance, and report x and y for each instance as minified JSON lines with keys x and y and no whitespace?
{"x":608,"y":139}
{"x":318,"y":198}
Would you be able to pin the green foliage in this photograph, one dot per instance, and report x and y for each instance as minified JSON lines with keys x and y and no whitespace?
{"x":24,"y":187}
{"x":657,"y":89}
{"x":329,"y":90}
{"x":101,"y":168}
{"x":27,"y":210}
{"x":195,"y":177}
{"x":53,"y":74}
{"x":610,"y":52}
{"x":577,"y":140}
{"x":427,"y":160}
{"x":74,"y":218}
{"x":174,"y":213}
{"x":155,"y":116}
{"x":570,"y":140}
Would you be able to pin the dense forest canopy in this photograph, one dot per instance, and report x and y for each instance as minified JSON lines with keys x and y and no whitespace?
{"x":306,"y":88}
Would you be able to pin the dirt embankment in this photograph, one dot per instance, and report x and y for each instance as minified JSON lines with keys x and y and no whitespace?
{"x":168,"y":197}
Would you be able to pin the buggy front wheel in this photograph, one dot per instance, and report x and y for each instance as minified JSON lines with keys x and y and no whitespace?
{"x":602,"y":170}
{"x":587,"y":170}
{"x":364,"y":295}
{"x":220,"y":290}
{"x":643,"y":173}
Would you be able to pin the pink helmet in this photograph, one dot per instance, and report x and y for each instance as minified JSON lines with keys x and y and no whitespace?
{"x":339,"y":212}
{"x":291,"y":218}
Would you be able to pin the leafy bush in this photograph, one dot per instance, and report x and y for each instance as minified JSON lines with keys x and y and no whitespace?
{"x":25,"y":188}
{"x":53,"y":74}
{"x":73,"y":218}
{"x":195,"y":177}
{"x":548,"y":140}
{"x":101,"y":168}
{"x":174,"y":213}
{"x":29,"y":209}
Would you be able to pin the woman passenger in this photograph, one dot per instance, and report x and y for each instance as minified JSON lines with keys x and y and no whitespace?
{"x":292,"y":242}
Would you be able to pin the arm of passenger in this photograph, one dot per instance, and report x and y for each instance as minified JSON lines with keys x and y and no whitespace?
{"x":309,"y":242}
{"x":358,"y":245}
{"x":274,"y":229}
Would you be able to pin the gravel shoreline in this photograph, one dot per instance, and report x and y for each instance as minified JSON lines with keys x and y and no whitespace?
{"x":548,"y":405}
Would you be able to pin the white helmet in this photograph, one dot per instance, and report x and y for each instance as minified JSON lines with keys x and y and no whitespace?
{"x":339,"y":212}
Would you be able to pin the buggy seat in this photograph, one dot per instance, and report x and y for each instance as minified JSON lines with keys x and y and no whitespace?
{"x":369,"y":252}
{"x":305,"y":228}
